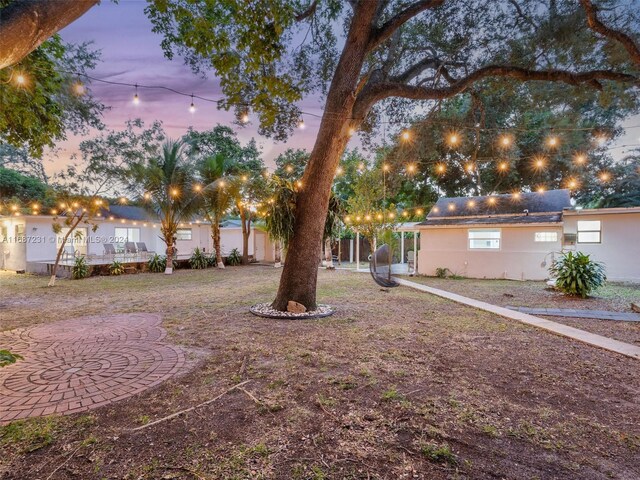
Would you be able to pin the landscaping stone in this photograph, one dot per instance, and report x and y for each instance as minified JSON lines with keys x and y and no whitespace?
{"x":295,"y":307}
{"x":267,"y":311}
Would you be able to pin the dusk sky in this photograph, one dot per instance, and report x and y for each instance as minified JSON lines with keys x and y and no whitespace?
{"x":131,"y":53}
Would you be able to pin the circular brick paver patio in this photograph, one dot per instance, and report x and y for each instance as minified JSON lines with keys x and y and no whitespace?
{"x":84,"y":363}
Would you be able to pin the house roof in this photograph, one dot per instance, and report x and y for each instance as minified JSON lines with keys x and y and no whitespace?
{"x":495,"y":220}
{"x":130,"y":212}
{"x":533,"y":207}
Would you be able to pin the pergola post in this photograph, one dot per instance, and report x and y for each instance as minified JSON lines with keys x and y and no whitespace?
{"x":351,"y":250}
{"x":357,"y":250}
{"x":415,"y":251}
{"x":402,"y":246}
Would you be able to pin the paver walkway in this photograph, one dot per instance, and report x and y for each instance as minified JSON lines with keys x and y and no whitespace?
{"x":571,"y":313}
{"x":557,"y":328}
{"x":81,"y":364}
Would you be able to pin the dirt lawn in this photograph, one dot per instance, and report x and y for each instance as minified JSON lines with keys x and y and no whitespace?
{"x":612,"y":297}
{"x":395,"y":385}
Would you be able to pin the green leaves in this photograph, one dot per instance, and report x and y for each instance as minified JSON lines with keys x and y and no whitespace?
{"x":7,"y":358}
{"x":577,"y":274}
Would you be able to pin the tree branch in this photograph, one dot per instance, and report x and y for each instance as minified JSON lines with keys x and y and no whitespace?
{"x":596,"y":25}
{"x":380,"y":90}
{"x":308,"y":12}
{"x":25,"y":24}
{"x":384,"y":32}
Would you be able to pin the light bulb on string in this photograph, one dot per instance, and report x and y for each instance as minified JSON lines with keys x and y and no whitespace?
{"x":79,"y":89}
{"x":244,"y":118}
{"x":505,"y":141}
{"x":572,"y":183}
{"x":541,"y":189}
{"x":411,"y":169}
{"x":503,"y":166}
{"x":301,"y":125}
{"x":553,"y":141}
{"x":539,"y":163}
{"x":580,"y":159}
{"x":339,"y":171}
{"x":441,"y":168}
{"x":453,"y":139}
{"x":192,"y":107}
{"x":406,"y":135}
{"x":469,"y":167}
{"x":136,"y":98}
{"x":351,"y":131}
{"x":604,"y":177}
{"x":21,"y":79}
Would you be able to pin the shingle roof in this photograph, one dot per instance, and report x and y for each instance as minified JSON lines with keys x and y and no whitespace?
{"x":130,"y":212}
{"x":495,"y":220}
{"x":503,"y":209}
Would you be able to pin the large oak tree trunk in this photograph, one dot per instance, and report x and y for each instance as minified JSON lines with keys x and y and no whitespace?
{"x":299,"y":276}
{"x":25,"y":24}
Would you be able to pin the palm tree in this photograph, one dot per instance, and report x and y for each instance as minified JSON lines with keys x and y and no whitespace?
{"x":217,"y":196}
{"x":168,"y":183}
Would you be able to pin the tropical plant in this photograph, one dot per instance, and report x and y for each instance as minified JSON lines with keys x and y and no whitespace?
{"x":7,"y":358}
{"x":217,"y":197}
{"x":234,"y":257}
{"x":198,"y":259}
{"x":576,"y":274}
{"x":116,"y":268}
{"x":157,"y":263}
{"x":80,"y":268}
{"x":168,"y":183}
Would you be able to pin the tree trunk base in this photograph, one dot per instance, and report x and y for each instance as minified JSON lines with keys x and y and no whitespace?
{"x":220,"y":265}
{"x":52,"y":281}
{"x":168,"y":271}
{"x":277,"y":265}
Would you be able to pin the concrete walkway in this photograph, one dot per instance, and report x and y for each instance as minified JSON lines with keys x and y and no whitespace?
{"x":571,"y":313}
{"x":557,"y":328}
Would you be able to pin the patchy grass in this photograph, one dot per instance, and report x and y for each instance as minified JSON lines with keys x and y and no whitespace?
{"x":396,"y":384}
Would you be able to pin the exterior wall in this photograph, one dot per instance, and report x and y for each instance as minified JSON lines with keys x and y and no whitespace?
{"x":13,"y":248}
{"x":231,"y":237}
{"x":519,"y":256}
{"x":619,"y":249}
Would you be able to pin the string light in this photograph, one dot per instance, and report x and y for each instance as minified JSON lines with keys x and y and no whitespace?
{"x":174,"y":192}
{"x":469,"y":167}
{"x":406,"y":135}
{"x":539,"y":163}
{"x":147,"y":195}
{"x":505,"y":141}
{"x":79,"y":89}
{"x":441,"y":168}
{"x":221,"y":183}
{"x":197,"y":187}
{"x":351,"y":131}
{"x":301,"y":124}
{"x":453,"y":139}
{"x":411,"y":168}
{"x":136,"y":98}
{"x":503,"y":166}
{"x":515,"y":195}
{"x":405,"y":213}
{"x":299,"y":184}
{"x":572,"y":183}
{"x":419,"y":211}
{"x":123,"y":200}
{"x":451,"y":207}
{"x":361,"y":166}
{"x":244,"y":178}
{"x":491,"y":200}
{"x":580,"y":159}
{"x":367,"y":218}
{"x":392,"y":215}
{"x":379,"y":216}
{"x":192,"y":107}
{"x":605,"y":176}
{"x":386,"y":167}
{"x":553,"y":141}
{"x":245,"y":117}
{"x":471,"y":204}
{"x":289,"y":168}
{"x":540,"y":189}
{"x":339,"y":171}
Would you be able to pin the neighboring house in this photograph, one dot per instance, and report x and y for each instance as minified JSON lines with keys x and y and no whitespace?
{"x":518,"y":236}
{"x":28,"y":242}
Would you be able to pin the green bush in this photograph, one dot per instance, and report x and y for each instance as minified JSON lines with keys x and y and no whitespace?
{"x":80,"y":268}
{"x":441,"y":272}
{"x":234,"y":257}
{"x":116,"y":268}
{"x":211,"y":260}
{"x":157,"y":263}
{"x":577,"y":274}
{"x":198,"y":259}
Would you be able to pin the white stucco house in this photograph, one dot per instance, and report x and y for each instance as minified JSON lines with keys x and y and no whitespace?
{"x":518,"y":236}
{"x":28,"y":242}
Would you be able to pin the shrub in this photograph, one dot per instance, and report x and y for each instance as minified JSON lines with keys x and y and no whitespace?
{"x":198,"y":259}
{"x":234,"y":257}
{"x":441,"y":272}
{"x":577,"y":274}
{"x":211,"y":260}
{"x":80,"y":268}
{"x":157,"y":263}
{"x":116,"y":268}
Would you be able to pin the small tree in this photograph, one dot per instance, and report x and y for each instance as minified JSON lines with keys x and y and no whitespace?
{"x":217,"y":197}
{"x":167,"y":182}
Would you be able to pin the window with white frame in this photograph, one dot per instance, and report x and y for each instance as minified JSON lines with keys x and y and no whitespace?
{"x":123,"y":234}
{"x":484,"y":239}
{"x":183,"y":234}
{"x":546,"y":237}
{"x":589,"y":231}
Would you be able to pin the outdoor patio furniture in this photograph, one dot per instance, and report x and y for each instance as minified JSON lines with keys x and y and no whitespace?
{"x":411,"y":260}
{"x":142,"y":248}
{"x":130,"y":247}
{"x":109,"y":250}
{"x":68,"y":251}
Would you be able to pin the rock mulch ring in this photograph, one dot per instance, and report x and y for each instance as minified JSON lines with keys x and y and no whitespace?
{"x":84,"y":363}
{"x":267,"y":311}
